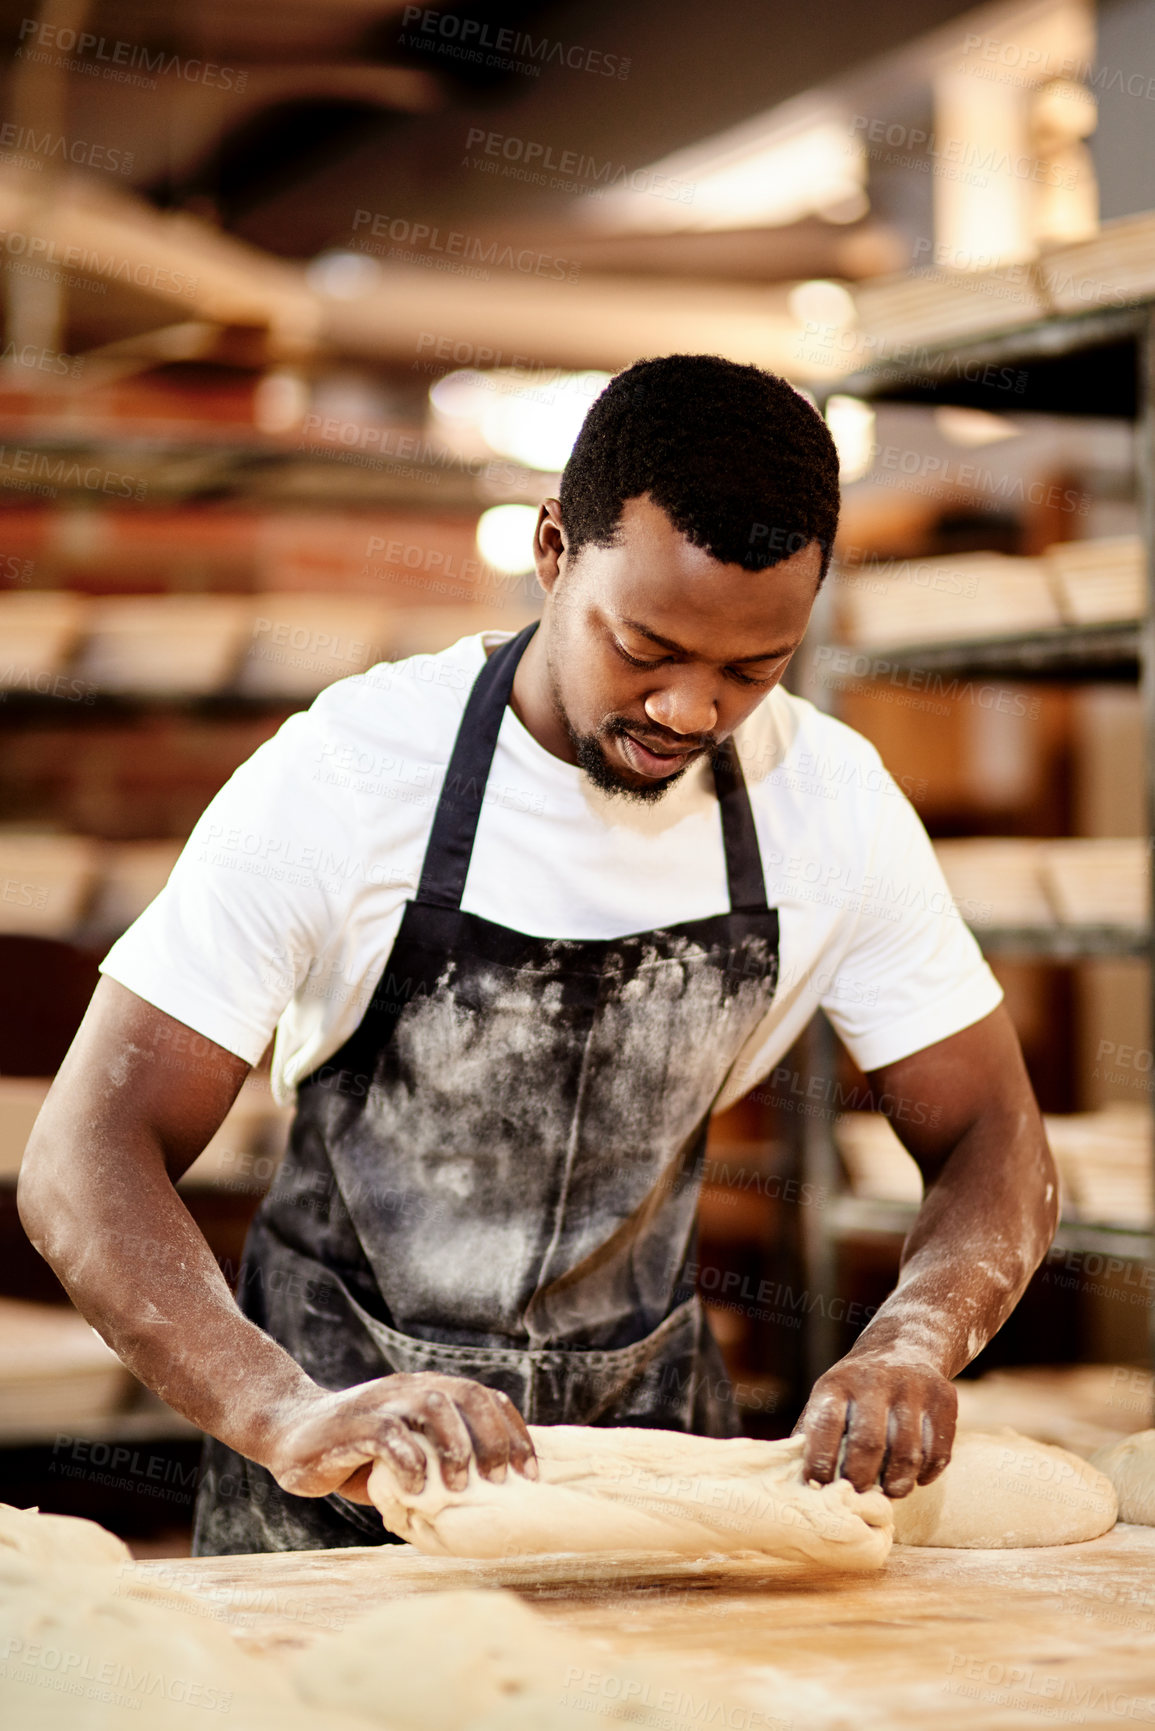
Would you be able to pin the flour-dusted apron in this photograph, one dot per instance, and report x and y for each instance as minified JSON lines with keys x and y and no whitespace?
{"x":496,"y":1176}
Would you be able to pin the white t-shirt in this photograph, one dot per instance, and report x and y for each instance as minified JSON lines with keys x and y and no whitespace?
{"x":282,"y":910}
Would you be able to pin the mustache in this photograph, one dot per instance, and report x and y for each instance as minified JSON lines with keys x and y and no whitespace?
{"x":656,"y":738}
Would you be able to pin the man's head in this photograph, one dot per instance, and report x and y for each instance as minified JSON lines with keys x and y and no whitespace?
{"x":695,"y":524}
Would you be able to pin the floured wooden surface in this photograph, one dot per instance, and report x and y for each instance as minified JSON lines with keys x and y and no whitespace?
{"x":1001,"y":1639}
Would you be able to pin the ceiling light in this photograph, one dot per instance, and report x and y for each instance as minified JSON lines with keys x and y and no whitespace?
{"x":532,"y":418}
{"x":505,"y":538}
{"x":821,"y":303}
{"x":851,"y":423}
{"x":801,"y":159}
{"x":973,"y":426}
{"x":344,"y":276}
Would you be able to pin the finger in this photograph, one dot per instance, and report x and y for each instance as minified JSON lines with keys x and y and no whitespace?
{"x":437,"y":1419}
{"x":823,"y":1425}
{"x":866,"y":1440}
{"x":937,"y":1442}
{"x":404,"y":1456}
{"x":328,"y":1469}
{"x":522,"y":1456}
{"x":904,"y":1451}
{"x":488,"y":1431}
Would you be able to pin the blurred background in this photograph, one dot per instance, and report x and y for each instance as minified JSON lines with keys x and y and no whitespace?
{"x":303,"y":304}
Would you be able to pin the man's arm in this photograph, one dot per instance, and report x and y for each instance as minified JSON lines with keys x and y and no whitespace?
{"x":137,"y":1098}
{"x":965,"y":1110}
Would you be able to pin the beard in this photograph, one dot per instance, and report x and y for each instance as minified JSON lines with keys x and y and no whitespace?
{"x":590,"y":754}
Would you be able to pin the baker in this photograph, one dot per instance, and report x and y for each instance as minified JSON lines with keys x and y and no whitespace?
{"x":522,"y":916}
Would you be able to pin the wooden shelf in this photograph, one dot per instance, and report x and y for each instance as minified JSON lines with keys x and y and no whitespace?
{"x":1065,"y":943}
{"x":1078,"y":364}
{"x":1087,"y":653}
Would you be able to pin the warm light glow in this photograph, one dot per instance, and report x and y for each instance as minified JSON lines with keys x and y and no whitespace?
{"x":851,"y":423}
{"x":343,"y":275}
{"x":821,"y":303}
{"x":505,"y":538}
{"x":801,"y":159}
{"x":531,"y":418}
{"x":973,"y":426}
{"x":280,"y":401}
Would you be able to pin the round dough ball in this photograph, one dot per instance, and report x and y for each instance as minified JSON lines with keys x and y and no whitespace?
{"x":1130,"y":1466}
{"x":1003,"y":1491}
{"x":59,"y":1538}
{"x":435,"y":1661}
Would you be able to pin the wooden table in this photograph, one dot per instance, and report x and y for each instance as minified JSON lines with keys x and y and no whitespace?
{"x":990,"y":1639}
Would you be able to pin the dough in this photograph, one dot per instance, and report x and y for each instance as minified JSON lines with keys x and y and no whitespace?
{"x":645,"y":1490}
{"x":481,"y":1660}
{"x":1130,"y":1466}
{"x":88,"y":1646}
{"x":437,"y":1661}
{"x":58,"y":1538}
{"x":1002,"y":1491}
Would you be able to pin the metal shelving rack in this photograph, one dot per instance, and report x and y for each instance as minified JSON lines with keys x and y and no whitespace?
{"x":1096,"y":363}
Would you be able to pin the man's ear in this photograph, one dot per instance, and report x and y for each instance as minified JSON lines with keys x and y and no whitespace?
{"x":549,"y":545}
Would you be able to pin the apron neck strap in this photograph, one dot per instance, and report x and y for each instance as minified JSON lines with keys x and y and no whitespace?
{"x":455,"y":821}
{"x":744,"y":874}
{"x":459,"y":806}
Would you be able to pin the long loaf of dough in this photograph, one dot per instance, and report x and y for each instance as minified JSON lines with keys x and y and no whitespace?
{"x":645,"y":1490}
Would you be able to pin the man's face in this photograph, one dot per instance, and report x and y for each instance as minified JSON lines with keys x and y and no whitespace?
{"x":656,"y":651}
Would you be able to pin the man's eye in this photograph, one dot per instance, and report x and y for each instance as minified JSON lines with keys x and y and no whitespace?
{"x":634,"y":660}
{"x":749,"y":678}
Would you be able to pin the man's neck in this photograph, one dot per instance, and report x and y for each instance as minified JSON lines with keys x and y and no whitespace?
{"x":533,"y":700}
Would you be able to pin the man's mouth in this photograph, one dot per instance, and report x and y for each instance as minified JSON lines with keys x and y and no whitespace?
{"x":655,"y":762}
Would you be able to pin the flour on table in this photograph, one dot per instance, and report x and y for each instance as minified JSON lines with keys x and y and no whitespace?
{"x":1130,"y":1466}
{"x":1003,"y":1491}
{"x":645,"y":1490}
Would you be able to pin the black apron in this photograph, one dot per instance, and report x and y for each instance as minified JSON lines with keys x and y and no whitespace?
{"x":497,"y":1175}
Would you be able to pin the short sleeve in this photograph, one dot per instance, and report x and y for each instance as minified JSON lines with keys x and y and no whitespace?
{"x":911,"y":973}
{"x":226,"y":944}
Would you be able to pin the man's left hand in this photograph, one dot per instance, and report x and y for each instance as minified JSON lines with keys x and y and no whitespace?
{"x":875,"y":1419}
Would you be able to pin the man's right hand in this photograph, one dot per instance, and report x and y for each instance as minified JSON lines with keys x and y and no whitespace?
{"x":330,"y":1443}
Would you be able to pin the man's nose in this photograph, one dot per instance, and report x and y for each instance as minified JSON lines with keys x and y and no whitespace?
{"x":685,"y":703}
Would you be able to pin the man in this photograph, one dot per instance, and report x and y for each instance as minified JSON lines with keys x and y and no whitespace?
{"x":522,"y":915}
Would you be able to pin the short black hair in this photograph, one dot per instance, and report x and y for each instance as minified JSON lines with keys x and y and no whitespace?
{"x":741,"y":463}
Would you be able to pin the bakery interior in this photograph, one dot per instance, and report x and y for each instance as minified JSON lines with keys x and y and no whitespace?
{"x":303,"y":305}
